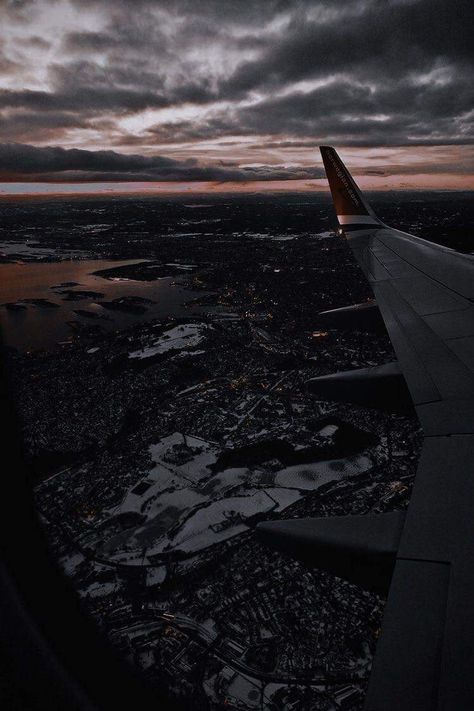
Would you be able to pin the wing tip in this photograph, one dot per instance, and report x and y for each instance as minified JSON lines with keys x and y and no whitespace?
{"x":349,"y":202}
{"x":326,"y":149}
{"x":361,"y":549}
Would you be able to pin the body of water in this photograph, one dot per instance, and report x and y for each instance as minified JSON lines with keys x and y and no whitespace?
{"x":30,"y":325}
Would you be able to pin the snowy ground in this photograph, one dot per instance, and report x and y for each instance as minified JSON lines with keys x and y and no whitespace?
{"x":187,"y":335}
{"x":183,"y":506}
{"x":273,"y":238}
{"x":323,"y":235}
{"x":313,"y":475}
{"x":221,"y":520}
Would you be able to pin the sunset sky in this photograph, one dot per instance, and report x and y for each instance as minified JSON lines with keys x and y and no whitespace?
{"x":186,"y":95}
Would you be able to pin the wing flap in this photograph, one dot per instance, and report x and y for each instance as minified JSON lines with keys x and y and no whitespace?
{"x":427,"y":354}
{"x":361,"y":549}
{"x":407,"y":666}
{"x":425,"y":656}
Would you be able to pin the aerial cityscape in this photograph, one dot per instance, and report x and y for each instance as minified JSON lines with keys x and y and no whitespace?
{"x":162,"y":387}
{"x":236,"y":355}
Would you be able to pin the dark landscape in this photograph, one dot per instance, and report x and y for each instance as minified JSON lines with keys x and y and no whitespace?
{"x":165,"y":412}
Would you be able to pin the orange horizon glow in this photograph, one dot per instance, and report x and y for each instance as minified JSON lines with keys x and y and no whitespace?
{"x":447,"y":181}
{"x":384,"y":168}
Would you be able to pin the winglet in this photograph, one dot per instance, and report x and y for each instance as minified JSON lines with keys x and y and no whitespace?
{"x":349,"y":203}
{"x":361,"y":549}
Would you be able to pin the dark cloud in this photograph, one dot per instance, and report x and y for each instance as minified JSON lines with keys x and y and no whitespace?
{"x":54,"y":164}
{"x":399,"y":113}
{"x":349,"y":114}
{"x":7,"y":66}
{"x":19,"y":127}
{"x":380,"y":40}
{"x":38,"y":42}
{"x":288,"y":74}
{"x":84,"y":101}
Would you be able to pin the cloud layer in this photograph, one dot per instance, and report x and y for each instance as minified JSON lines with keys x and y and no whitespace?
{"x":178,"y":90}
{"x":52,"y":164}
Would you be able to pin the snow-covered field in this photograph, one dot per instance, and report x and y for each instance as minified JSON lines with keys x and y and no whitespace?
{"x":220,"y":520}
{"x":323,"y":235}
{"x":273,"y":238}
{"x":312,"y":476}
{"x":187,"y":335}
{"x":184,"y":506}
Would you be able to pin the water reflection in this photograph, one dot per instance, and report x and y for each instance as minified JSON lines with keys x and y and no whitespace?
{"x":42,"y":325}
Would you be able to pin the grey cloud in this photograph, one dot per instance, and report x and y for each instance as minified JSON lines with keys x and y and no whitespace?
{"x":7,"y":65}
{"x":350,"y":115}
{"x":399,"y":113}
{"x":38,"y":42}
{"x":54,"y":164}
{"x":87,"y":99}
{"x":152,"y":54}
{"x":19,"y":127}
{"x":379,"y":38}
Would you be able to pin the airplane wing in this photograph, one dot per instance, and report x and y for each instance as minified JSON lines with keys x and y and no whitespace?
{"x":425,"y":655}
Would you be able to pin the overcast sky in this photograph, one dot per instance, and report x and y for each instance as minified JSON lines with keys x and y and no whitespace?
{"x":236,"y":94}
